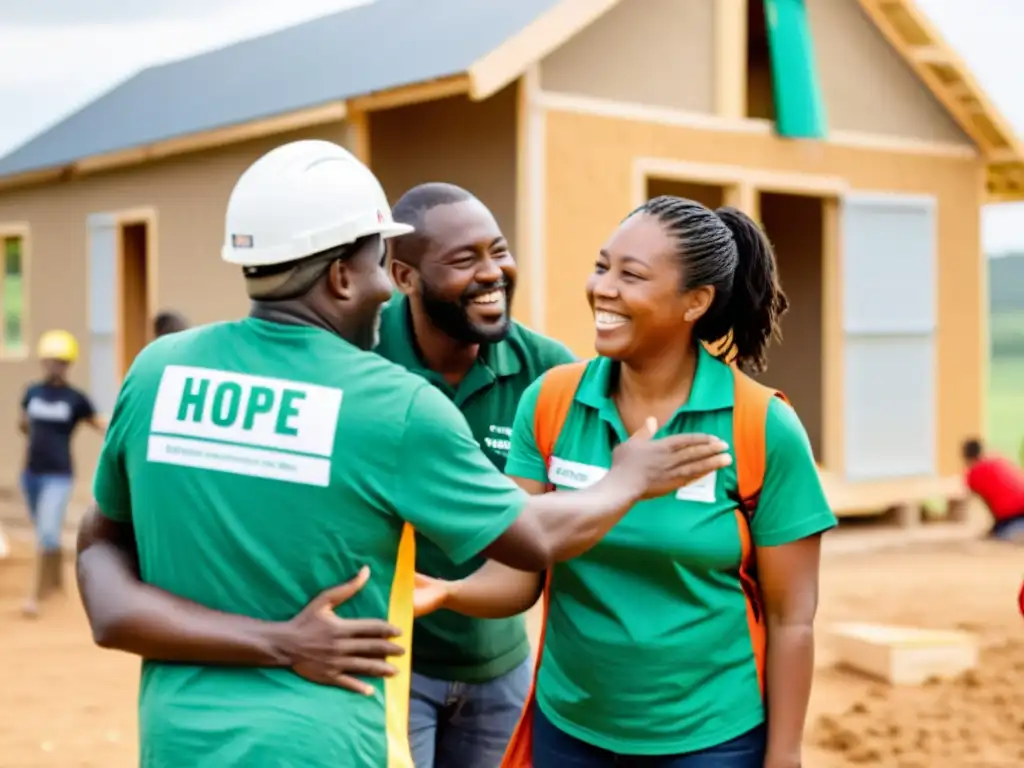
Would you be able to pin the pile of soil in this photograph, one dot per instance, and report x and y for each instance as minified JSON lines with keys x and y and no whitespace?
{"x":973,"y":721}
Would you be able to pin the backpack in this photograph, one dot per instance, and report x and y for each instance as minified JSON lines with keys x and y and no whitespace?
{"x":750,"y":412}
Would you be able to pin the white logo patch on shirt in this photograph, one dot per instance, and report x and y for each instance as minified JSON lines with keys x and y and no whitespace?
{"x":498,"y":439}
{"x":701,"y":490}
{"x":48,"y":410}
{"x":572,"y":474}
{"x":246,"y":425}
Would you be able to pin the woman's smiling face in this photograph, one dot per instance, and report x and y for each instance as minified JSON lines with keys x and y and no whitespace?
{"x":636,"y":292}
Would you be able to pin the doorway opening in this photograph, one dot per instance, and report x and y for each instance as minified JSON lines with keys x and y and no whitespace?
{"x":796,"y":226}
{"x":134,"y":273}
{"x":760,"y":99}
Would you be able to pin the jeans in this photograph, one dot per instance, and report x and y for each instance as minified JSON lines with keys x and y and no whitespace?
{"x":1010,"y":529}
{"x":47,"y":498}
{"x":463,"y":725}
{"x":553,"y":748}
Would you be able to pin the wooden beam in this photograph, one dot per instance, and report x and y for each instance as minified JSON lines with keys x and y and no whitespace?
{"x":747,"y":198}
{"x":429,"y":90}
{"x":1002,"y":156}
{"x":995,"y":198}
{"x":731,"y":59}
{"x":641,"y":113}
{"x":531,"y":183}
{"x":547,"y":32}
{"x":357,"y":135}
{"x":962,"y":96}
{"x":30,"y":178}
{"x":833,"y":343}
{"x":931,"y":54}
{"x":332,"y":112}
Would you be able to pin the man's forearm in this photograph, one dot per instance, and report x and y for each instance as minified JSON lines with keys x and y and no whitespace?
{"x":129,"y":615}
{"x":495,"y":591}
{"x":790,"y":670}
{"x":555,"y":527}
{"x":573,"y":522}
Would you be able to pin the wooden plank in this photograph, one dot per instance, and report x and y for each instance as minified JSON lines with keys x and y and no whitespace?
{"x":868,"y":499}
{"x":904,"y":655}
{"x":429,"y":90}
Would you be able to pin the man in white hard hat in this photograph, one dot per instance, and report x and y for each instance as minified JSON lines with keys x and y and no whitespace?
{"x":260,"y":461}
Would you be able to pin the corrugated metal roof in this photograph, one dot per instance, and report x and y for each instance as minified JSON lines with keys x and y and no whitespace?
{"x":375,"y":47}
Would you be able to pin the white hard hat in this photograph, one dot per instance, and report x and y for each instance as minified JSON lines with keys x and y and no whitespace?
{"x":300,"y":199}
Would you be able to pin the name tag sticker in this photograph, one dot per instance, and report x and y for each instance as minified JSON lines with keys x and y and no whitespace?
{"x":701,"y":490}
{"x":572,"y":474}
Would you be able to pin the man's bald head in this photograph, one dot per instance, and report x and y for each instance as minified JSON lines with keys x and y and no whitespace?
{"x":412,"y":208}
{"x":456,"y":268}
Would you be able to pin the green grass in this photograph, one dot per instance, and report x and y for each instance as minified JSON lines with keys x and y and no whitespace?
{"x":1006,"y":405}
{"x":1007,"y":329}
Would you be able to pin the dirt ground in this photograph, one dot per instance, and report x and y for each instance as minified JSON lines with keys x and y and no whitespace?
{"x":64,"y":703}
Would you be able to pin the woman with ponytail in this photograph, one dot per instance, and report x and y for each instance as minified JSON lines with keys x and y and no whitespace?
{"x":684,"y":639}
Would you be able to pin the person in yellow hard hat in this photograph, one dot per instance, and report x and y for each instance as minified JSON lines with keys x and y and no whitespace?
{"x":51,"y":409}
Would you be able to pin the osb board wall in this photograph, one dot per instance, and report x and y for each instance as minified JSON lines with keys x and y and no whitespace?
{"x":654,"y":52}
{"x":589,"y":187}
{"x":190,"y":194}
{"x":867,"y":86}
{"x":468,"y":143}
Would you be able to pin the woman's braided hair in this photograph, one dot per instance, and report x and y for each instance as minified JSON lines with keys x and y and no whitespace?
{"x":727,"y":250}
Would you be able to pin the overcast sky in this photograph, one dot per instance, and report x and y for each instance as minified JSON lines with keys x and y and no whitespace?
{"x":55,"y":55}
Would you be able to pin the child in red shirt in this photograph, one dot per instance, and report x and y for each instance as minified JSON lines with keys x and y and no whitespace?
{"x":1000,"y":484}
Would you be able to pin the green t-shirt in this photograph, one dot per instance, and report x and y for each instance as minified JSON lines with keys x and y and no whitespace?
{"x":648,"y":649}
{"x":261,"y":463}
{"x":448,"y":645}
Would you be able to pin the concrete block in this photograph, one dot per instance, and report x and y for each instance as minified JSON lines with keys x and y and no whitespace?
{"x":904,"y":655}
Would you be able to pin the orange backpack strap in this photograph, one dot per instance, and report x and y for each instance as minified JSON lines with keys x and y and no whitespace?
{"x":557,"y":390}
{"x":749,"y":419}
{"x":749,"y":422}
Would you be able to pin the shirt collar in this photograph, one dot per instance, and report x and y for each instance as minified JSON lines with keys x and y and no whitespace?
{"x":712,"y":388}
{"x":398,"y":344}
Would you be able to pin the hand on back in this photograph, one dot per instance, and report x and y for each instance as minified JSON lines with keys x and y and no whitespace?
{"x":330,"y":650}
{"x":662,"y":465}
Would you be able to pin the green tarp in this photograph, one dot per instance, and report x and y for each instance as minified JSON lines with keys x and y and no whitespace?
{"x":799,"y":106}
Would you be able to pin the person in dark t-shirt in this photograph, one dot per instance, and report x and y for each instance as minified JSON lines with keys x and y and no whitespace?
{"x":51,"y":410}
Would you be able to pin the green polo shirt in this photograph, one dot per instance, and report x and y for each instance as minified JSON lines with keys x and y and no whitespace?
{"x":647,"y":650}
{"x":447,"y":645}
